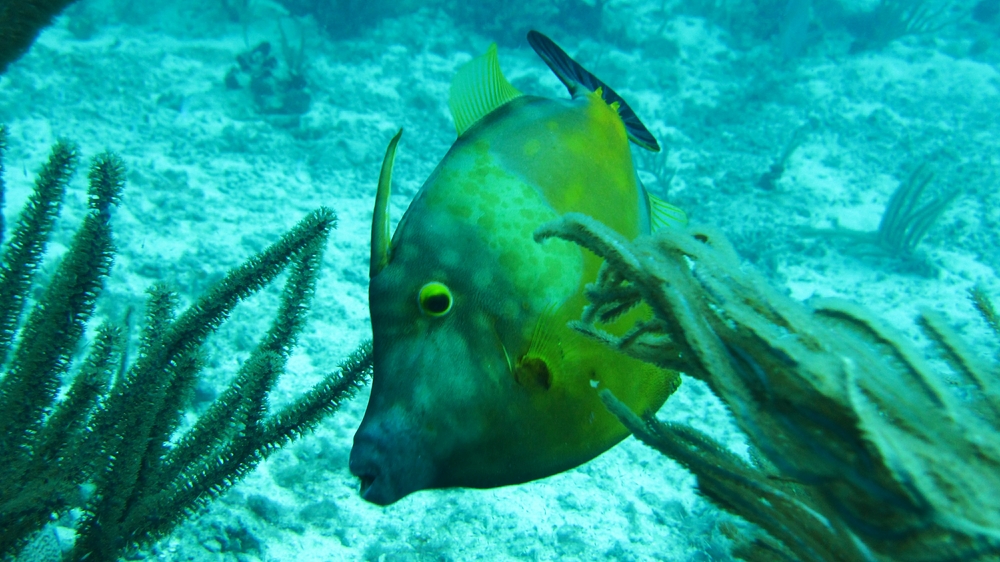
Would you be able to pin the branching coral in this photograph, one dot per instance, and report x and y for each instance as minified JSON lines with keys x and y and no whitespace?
{"x":114,"y":430}
{"x":907,"y":218}
{"x":904,"y":224}
{"x":657,"y":164}
{"x":860,"y":449}
{"x":770,"y":179}
{"x":985,"y":307}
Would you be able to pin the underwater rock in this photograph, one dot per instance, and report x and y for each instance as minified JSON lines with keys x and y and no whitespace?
{"x":275,"y":88}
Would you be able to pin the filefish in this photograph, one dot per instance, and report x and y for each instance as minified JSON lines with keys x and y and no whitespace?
{"x":478,"y":381}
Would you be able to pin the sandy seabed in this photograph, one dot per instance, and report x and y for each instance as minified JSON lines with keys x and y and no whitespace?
{"x":211,"y":181}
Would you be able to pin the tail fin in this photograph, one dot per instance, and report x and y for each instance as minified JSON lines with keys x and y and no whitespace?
{"x":574,"y":76}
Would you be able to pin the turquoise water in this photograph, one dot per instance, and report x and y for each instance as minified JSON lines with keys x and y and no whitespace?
{"x":222,"y":158}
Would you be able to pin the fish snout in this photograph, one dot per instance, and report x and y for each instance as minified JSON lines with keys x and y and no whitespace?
{"x":364,"y":463}
{"x":389,"y":464}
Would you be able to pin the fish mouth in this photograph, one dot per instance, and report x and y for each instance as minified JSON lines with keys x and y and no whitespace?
{"x":388,"y":467}
{"x":376,"y":488}
{"x":366,"y":483}
{"x":375,"y":484}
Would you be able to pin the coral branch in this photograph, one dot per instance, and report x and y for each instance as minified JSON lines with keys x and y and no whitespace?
{"x":115,"y":429}
{"x":862,"y":452}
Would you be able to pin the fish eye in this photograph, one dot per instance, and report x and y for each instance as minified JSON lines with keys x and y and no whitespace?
{"x":434,"y":299}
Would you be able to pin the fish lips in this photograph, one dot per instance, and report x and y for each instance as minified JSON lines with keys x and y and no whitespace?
{"x":388,"y":466}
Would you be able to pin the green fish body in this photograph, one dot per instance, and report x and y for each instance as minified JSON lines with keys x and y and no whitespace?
{"x":478,"y":381}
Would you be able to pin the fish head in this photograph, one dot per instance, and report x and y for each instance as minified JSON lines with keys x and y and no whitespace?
{"x":444,"y":315}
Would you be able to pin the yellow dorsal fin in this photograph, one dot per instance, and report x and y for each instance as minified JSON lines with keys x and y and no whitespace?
{"x":477,"y":89}
{"x":663,"y":214}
